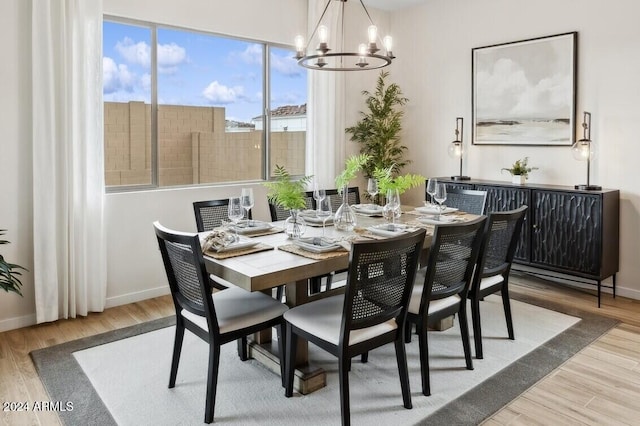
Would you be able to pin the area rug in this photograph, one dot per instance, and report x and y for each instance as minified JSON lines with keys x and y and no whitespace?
{"x":121,"y":377}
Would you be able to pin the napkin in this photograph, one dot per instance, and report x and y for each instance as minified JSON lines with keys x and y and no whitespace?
{"x":217,"y":240}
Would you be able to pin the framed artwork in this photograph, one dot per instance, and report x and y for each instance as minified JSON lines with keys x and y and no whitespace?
{"x":524,"y":92}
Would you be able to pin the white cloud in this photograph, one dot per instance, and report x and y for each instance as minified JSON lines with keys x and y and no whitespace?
{"x":116,"y":77}
{"x":134,"y":53}
{"x":218,"y":93}
{"x":169,"y":55}
{"x":285,"y":65}
{"x":252,"y":55}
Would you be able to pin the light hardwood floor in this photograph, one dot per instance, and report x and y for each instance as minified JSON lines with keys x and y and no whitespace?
{"x":600,"y":385}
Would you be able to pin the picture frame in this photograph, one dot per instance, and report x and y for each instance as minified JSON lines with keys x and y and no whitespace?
{"x":524,"y":92}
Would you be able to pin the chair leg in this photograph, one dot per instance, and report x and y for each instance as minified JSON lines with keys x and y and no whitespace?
{"x":424,"y":359}
{"x":364,"y":358}
{"x":281,"y":348}
{"x":477,"y":328}
{"x":464,"y":331}
{"x":291,"y":341}
{"x":279,"y":293}
{"x":345,"y":364}
{"x":212,"y":382}
{"x":242,"y":348}
{"x":177,"y":348}
{"x":407,"y":331}
{"x":315,"y":285}
{"x":507,"y":310}
{"x":403,"y":370}
{"x":330,"y":281}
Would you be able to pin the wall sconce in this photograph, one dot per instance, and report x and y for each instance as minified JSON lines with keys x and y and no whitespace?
{"x":583,"y":150}
{"x":456,"y":149}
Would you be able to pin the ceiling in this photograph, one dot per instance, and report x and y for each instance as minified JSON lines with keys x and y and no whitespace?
{"x":392,"y":4}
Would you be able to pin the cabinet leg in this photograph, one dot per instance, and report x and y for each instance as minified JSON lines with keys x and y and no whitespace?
{"x":614,"y":286}
{"x":599,"y":291}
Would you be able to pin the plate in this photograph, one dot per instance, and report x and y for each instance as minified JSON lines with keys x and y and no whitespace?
{"x":257,"y":226}
{"x":243,"y":243}
{"x":433,"y":220}
{"x":317,"y":220}
{"x":385,"y":229}
{"x":435,"y":210}
{"x":368,"y":209}
{"x":323,"y":247}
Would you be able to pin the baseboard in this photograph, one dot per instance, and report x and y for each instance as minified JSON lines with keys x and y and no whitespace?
{"x":136,"y":297}
{"x":17,"y":322}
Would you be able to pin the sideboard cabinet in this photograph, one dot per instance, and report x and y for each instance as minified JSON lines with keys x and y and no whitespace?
{"x":567,"y":231}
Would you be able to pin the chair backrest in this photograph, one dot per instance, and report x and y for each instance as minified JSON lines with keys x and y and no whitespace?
{"x":353,"y":197}
{"x":210,"y":214}
{"x":186,"y":272}
{"x":467,"y":200}
{"x":279,"y":213}
{"x":379,"y":281}
{"x":452,"y":260}
{"x":501,"y":236}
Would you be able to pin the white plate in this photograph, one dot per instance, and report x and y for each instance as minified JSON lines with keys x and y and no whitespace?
{"x":433,"y":220}
{"x":243,"y":243}
{"x":385,"y":230}
{"x":435,"y":210}
{"x":317,"y":220}
{"x":257,"y":226}
{"x":307,"y":244}
{"x":368,"y":209}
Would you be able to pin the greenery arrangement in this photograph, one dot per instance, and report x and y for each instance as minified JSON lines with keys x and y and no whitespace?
{"x":378,"y":132}
{"x":353,"y":165}
{"x":387,"y":180}
{"x":520,"y":168}
{"x":286,"y":192}
{"x":9,"y":272}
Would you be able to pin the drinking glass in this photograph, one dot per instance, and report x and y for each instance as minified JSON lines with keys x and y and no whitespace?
{"x":372,"y":189}
{"x":235,"y":213}
{"x":440,"y":196}
{"x":318,"y":194}
{"x":391,"y":210}
{"x":432,"y":184}
{"x":247,"y":201}
{"x":324,"y":211}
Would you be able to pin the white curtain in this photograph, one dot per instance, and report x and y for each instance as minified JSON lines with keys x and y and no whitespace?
{"x":326,"y":147}
{"x":68,"y":158}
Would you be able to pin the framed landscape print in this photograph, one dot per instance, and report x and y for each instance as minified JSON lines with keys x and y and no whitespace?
{"x":524,"y":92}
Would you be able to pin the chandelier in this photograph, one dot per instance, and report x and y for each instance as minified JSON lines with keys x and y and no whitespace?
{"x":368,"y":56}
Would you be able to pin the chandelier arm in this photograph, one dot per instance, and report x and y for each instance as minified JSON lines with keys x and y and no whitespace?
{"x":315,"y":30}
{"x":367,"y":12}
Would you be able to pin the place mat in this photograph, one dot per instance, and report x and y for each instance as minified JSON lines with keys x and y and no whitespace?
{"x":273,"y":230}
{"x":292,"y":248}
{"x":242,"y":252}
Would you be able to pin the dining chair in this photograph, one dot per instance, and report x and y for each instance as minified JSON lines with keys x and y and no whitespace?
{"x":216,"y":318}
{"x":501,"y":236}
{"x":371,"y":312}
{"x":440,"y":289}
{"x":467,"y":200}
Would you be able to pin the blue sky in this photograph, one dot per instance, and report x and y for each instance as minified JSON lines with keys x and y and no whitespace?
{"x":197,"y":69}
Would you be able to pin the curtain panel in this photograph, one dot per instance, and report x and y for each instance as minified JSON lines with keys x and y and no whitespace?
{"x":68,"y":158}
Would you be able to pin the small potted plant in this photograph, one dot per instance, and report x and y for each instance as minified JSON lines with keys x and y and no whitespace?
{"x":289,"y":194}
{"x":9,"y":272}
{"x":345,"y":218}
{"x":387,"y":181}
{"x":520,"y":171}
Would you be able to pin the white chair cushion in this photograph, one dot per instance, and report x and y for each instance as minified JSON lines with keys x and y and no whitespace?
{"x":324,"y":317}
{"x":237,"y":308}
{"x":434,"y":305}
{"x":491,"y":281}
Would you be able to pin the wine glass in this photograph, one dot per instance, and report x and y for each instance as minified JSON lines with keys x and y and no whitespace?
{"x":440,"y":197}
{"x":324,"y":211}
{"x":391,"y":210}
{"x":432,"y":184}
{"x":247,"y":201}
{"x":318,"y":194}
{"x":372,"y":188}
{"x":235,"y":213}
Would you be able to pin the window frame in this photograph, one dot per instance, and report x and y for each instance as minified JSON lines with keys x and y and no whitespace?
{"x":266,"y":99}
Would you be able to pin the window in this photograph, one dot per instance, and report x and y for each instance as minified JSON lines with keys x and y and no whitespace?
{"x":198,"y":108}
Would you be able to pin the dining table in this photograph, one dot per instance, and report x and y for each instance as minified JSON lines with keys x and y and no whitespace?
{"x":280,"y":262}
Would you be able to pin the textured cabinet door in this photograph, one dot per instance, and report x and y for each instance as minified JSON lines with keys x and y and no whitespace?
{"x":501,"y":198}
{"x":567,"y":231}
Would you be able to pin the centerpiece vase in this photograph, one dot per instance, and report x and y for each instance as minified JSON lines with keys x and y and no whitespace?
{"x":345,"y":217}
{"x":294,"y":225}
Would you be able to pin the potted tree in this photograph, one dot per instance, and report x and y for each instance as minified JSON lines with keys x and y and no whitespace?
{"x":519,"y":171}
{"x":288,"y":193}
{"x":9,"y":272}
{"x":378,"y":131}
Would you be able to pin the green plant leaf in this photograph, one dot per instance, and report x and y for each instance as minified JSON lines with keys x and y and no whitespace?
{"x":286,"y":192}
{"x":353,"y":165}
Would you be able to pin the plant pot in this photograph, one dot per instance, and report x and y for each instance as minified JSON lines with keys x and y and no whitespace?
{"x":518,"y":179}
{"x":345,"y":217}
{"x":294,"y":225}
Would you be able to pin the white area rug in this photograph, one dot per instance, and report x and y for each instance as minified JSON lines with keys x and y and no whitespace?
{"x":131,"y":376}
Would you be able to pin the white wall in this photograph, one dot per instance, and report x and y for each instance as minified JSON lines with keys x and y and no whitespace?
{"x":434,"y":43}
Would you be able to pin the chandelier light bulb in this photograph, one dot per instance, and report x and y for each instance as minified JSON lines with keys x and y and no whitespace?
{"x":373,"y":33}
{"x":299,"y":41}
{"x":323,"y":33}
{"x":388,"y":43}
{"x":362,"y":49}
